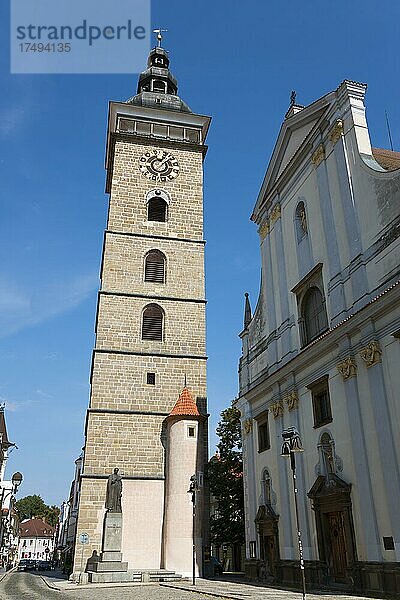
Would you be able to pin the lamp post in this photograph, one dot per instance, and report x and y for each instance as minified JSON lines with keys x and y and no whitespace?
{"x":291,"y":445}
{"x":16,"y":481}
{"x":193,"y":487}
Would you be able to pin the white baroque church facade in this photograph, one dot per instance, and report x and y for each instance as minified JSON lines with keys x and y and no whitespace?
{"x":321,"y":353}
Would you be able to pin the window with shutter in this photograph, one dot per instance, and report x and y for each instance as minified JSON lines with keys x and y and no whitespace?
{"x":152,"y":325}
{"x":157,"y":210}
{"x":314,"y":314}
{"x":154,"y":267}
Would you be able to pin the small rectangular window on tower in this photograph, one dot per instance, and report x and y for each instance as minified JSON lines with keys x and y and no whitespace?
{"x":151,"y":378}
{"x":191,"y":431}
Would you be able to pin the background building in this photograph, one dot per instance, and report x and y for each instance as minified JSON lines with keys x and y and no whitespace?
{"x":321,"y":353}
{"x":150,"y":331}
{"x":66,"y":529}
{"x":36,"y":540}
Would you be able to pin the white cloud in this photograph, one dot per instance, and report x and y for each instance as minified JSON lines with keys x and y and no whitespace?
{"x":21,"y":308}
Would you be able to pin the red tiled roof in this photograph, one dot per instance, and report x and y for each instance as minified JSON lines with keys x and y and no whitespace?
{"x":36,"y":528}
{"x":388,"y":159}
{"x":185,"y":405}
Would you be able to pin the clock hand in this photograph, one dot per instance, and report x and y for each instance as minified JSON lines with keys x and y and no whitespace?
{"x":164,"y":160}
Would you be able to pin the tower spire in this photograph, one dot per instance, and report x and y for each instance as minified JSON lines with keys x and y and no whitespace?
{"x":157,"y":87}
{"x":247,"y":311}
{"x":159,"y":33}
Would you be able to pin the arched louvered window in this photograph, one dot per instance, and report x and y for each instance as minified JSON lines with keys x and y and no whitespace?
{"x":152,"y":325}
{"x":157,"y":210}
{"x":154,"y":267}
{"x":314,"y":314}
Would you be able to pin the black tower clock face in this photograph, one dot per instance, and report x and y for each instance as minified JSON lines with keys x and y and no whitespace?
{"x":159,"y":165}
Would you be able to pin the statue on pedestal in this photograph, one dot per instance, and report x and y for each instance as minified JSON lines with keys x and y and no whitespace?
{"x":114,"y":493}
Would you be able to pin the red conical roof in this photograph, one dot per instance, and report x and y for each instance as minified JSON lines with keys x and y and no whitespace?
{"x":185,"y":406}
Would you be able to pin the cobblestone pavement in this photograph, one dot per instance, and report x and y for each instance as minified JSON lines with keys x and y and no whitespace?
{"x":29,"y":586}
{"x":245,"y":591}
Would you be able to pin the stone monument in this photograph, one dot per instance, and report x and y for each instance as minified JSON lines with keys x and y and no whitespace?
{"x":110,"y":566}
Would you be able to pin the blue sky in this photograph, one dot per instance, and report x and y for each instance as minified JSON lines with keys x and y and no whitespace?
{"x":236,"y":61}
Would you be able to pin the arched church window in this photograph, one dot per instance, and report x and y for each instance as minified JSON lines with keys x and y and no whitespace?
{"x":301,"y":221}
{"x":157,"y":209}
{"x":314,"y":314}
{"x":152,"y":323}
{"x":154,"y":267}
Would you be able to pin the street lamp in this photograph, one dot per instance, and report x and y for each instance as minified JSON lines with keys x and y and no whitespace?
{"x":193,"y":487}
{"x":291,"y":445}
{"x":16,"y":481}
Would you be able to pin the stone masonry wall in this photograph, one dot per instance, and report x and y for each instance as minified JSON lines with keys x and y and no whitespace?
{"x":120,"y":319}
{"x":128,"y":208}
{"x":119,"y":381}
{"x":123,"y":266}
{"x":131,"y":442}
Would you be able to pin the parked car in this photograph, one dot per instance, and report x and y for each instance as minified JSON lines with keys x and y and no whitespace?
{"x":43,"y":565}
{"x":26,"y":564}
{"x":216,"y":566}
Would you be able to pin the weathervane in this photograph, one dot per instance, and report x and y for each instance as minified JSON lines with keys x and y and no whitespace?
{"x":293,"y":98}
{"x":159,"y":33}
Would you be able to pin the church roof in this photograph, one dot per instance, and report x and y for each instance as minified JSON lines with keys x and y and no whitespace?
{"x":185,"y":405}
{"x":388,"y":159}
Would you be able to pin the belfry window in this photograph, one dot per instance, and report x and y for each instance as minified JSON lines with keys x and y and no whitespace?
{"x":154,"y":267}
{"x":152,"y":324}
{"x":157,"y":210}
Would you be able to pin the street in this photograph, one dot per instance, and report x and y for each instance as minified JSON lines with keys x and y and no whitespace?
{"x":30,"y":586}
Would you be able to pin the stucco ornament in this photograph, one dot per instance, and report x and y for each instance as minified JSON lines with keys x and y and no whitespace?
{"x":319,"y":155}
{"x":347,"y":368}
{"x":277,"y":409}
{"x":292,"y":400}
{"x":264,"y":229}
{"x":275,"y":213}
{"x":248,"y":426}
{"x":336,"y":132}
{"x":371,"y":353}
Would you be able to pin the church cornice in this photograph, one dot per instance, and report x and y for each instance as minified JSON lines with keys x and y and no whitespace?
{"x":325,"y":343}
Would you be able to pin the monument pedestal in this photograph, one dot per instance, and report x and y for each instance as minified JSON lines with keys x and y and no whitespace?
{"x":109,"y":566}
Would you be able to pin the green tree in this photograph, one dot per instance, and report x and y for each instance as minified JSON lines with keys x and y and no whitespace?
{"x":225,"y":475}
{"x":34,"y":506}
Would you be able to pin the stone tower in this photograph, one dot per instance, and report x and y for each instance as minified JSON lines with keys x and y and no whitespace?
{"x":150,"y":326}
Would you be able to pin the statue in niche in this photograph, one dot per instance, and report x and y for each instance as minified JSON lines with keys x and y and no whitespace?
{"x":114,"y":492}
{"x":303,"y":218}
